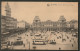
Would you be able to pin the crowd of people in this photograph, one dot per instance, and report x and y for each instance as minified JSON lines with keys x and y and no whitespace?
{"x":50,"y":37}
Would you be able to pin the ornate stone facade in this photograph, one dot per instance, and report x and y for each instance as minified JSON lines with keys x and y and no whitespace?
{"x":49,"y":25}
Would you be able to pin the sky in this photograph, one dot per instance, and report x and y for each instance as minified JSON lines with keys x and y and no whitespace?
{"x":45,"y":10}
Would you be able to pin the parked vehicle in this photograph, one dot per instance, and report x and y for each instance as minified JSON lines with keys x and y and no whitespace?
{"x":39,"y":42}
{"x":52,"y":42}
{"x":18,"y":43}
{"x":4,"y":45}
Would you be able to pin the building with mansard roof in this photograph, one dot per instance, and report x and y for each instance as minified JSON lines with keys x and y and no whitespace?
{"x":23,"y":25}
{"x":49,"y":25}
{"x":62,"y":19}
{"x":8,"y":23}
{"x":60,"y":25}
{"x":74,"y":24}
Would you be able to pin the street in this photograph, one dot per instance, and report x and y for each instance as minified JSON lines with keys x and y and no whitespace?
{"x":28,"y":42}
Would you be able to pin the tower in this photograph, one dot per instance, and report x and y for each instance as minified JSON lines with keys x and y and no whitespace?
{"x":62,"y":23}
{"x":8,"y":10}
{"x":36,"y":19}
{"x":36,"y":23}
{"x":62,"y":19}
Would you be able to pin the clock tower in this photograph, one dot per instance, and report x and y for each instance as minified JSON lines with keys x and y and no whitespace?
{"x":8,"y":10}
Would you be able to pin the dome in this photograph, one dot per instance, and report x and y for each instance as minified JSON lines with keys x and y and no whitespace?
{"x":36,"y":19}
{"x":62,"y":18}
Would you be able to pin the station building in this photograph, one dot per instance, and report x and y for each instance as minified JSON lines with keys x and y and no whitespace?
{"x":60,"y":25}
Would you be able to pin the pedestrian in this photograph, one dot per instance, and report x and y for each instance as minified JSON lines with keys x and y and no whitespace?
{"x":70,"y":40}
{"x":7,"y":46}
{"x":72,"y":45}
{"x":59,"y":48}
{"x":24,"y":45}
{"x":54,"y":39}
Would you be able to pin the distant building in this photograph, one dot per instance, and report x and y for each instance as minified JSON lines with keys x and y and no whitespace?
{"x":22,"y":25}
{"x":68,"y":24}
{"x":63,"y":24}
{"x":3,"y":24}
{"x":8,"y":24}
{"x":49,"y":25}
{"x":11,"y":23}
{"x":74,"y":24}
{"x":36,"y":25}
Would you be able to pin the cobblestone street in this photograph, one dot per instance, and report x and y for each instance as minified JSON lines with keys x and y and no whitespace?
{"x":28,"y":42}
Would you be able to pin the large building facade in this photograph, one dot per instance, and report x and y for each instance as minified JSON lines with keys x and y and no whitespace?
{"x":22,"y":25}
{"x":8,"y":23}
{"x":3,"y":24}
{"x":60,"y":25}
{"x":11,"y":23}
{"x":74,"y":25}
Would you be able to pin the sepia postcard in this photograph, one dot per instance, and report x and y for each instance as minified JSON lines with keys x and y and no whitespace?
{"x":39,"y":25}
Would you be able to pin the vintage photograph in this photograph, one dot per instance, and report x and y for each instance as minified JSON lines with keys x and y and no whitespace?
{"x":39,"y":25}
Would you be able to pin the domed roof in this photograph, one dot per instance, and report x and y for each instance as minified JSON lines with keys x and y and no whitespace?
{"x":36,"y":18}
{"x":62,"y":18}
